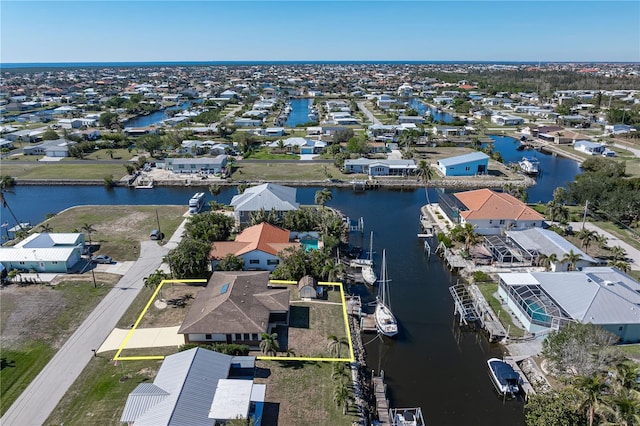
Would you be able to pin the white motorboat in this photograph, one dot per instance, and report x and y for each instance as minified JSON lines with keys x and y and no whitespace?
{"x":529,"y":165}
{"x":368,"y":274}
{"x":386,"y":322}
{"x":196,"y":202}
{"x":504,"y":377}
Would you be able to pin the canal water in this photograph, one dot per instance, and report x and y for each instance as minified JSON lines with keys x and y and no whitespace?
{"x":422,"y":108}
{"x":154,"y":117}
{"x":299,"y":112}
{"x":431,"y":363}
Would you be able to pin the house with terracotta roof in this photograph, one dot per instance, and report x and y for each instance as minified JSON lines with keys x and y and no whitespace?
{"x":257,"y":245}
{"x":490,"y":212}
{"x":236,"y":307}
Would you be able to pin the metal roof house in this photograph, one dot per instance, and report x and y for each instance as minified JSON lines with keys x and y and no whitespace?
{"x":546,"y":301}
{"x":44,"y":252}
{"x":268,"y":196}
{"x":475,"y":163}
{"x":236,"y":307}
{"x":197,"y":165}
{"x":375,"y":167}
{"x":194,"y":388}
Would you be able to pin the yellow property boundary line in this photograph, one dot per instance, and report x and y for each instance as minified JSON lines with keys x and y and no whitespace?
{"x":351,"y":358}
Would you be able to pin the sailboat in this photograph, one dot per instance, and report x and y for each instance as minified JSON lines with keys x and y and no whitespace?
{"x":386,"y":322}
{"x":368,"y":274}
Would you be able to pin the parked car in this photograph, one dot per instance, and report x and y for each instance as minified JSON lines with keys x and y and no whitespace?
{"x":101,"y":258}
{"x":156,"y":235}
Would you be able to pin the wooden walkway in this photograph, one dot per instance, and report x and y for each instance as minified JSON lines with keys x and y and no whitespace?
{"x":526,"y":387}
{"x":368,"y":323}
{"x":382,"y":404}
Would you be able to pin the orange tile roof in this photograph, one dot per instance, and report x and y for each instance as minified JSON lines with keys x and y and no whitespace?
{"x":487,"y":204}
{"x":264,"y":237}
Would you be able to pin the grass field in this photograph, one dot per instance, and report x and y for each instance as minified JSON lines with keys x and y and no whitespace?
{"x":117,"y":154}
{"x":119,"y":229}
{"x":303,"y":393}
{"x":487,"y":290}
{"x":99,"y":394}
{"x":60,"y":170}
{"x":294,"y":171}
{"x":36,"y":321}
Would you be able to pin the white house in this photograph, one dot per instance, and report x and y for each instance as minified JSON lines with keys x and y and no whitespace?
{"x":44,"y":252}
{"x":379,"y":167}
{"x":197,"y":165}
{"x":588,"y":147}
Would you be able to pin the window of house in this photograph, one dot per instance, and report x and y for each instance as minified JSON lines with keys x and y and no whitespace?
{"x":254,"y":336}
{"x":467,"y":168}
{"x":501,"y":221}
{"x":490,"y":221}
{"x":247,"y":336}
{"x":254,"y":261}
{"x":181,"y":166}
{"x":22,"y":263}
{"x":55,"y":262}
{"x":273,"y":261}
{"x":238,"y":336}
{"x":207,"y":337}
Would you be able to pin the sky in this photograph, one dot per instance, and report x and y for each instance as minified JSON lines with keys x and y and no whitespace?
{"x":130,"y":31}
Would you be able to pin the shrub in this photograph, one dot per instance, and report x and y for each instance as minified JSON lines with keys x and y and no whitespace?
{"x":481,"y":277}
{"x":444,"y":239}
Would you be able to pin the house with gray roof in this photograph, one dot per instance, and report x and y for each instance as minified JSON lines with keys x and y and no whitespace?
{"x":196,"y":387}
{"x":380,"y":167}
{"x":268,"y":196}
{"x":537,"y":241}
{"x":197,"y":165}
{"x":546,"y":301}
{"x":236,"y":307}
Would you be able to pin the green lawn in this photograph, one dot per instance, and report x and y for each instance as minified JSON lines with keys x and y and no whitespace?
{"x":119,"y":229}
{"x":263,"y":154}
{"x":61,"y":170}
{"x":100,"y":392}
{"x":487,"y":290}
{"x":294,"y":171}
{"x":118,"y":154}
{"x":36,"y":321}
{"x":19,"y":368}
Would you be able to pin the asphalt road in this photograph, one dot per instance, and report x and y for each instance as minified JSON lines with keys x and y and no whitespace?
{"x":633,"y":255}
{"x":44,"y":393}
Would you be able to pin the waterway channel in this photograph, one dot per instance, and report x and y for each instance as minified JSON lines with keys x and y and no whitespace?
{"x":155,"y":117}
{"x":299,"y":112}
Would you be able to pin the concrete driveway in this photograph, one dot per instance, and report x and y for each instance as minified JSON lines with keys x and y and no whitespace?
{"x":157,"y":337}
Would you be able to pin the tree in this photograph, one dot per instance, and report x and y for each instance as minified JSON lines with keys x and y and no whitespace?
{"x":46,"y":228}
{"x":547,"y":260}
{"x":341,"y":396}
{"x":190,"y":259}
{"x":110,"y":153}
{"x":556,"y":210}
{"x":342,"y":135}
{"x":262,"y":216}
{"x":215,"y":190}
{"x":50,"y":135}
{"x":580,"y":349}
{"x":560,"y":195}
{"x":269,"y":344}
{"x":556,"y":408}
{"x":7,"y":182}
{"x":466,"y":234}
{"x":241,"y":188}
{"x":230,"y":263}
{"x":587,"y":237}
{"x":601,"y":240}
{"x":155,"y":279}
{"x":108,"y":119}
{"x":88,"y":229}
{"x":335,"y":345}
{"x":209,"y":227}
{"x":571,"y":259}
{"x":425,"y":172}
{"x":322,"y":196}
{"x":618,"y":253}
{"x":590,"y":389}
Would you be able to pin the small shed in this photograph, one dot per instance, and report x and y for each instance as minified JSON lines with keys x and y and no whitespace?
{"x":308,"y":288}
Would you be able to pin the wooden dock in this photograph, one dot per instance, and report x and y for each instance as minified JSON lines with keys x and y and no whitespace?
{"x":526,"y":387}
{"x":472,"y":307}
{"x":382,"y":403}
{"x":368,"y":323}
{"x":354,"y":306}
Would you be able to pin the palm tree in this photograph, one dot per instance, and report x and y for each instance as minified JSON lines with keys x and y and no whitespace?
{"x":46,"y":228}
{"x":587,"y":237}
{"x":335,"y":345}
{"x":466,"y":233}
{"x":621,"y":265}
{"x":547,"y":260}
{"x":242,"y":187}
{"x":331,"y":270}
{"x":5,"y":183}
{"x":215,"y":190}
{"x":322,"y":196}
{"x":290,"y":352}
{"x":571,"y":258}
{"x":155,"y":279}
{"x":556,"y":210}
{"x":590,"y":390}
{"x":88,"y":228}
{"x":269,"y":344}
{"x":341,"y":396}
{"x":622,"y":408}
{"x":601,"y":240}
{"x":618,"y":253}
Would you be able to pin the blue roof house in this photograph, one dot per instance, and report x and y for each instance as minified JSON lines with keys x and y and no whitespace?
{"x":475,"y":163}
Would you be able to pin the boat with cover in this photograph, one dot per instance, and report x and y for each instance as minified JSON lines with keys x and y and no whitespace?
{"x":368,"y":274}
{"x":504,"y":377}
{"x":529,"y":165}
{"x":196,"y":202}
{"x":386,"y":322}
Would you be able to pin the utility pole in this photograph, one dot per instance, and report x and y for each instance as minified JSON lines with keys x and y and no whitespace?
{"x":93,"y":274}
{"x":159,"y":230}
{"x":584,"y":216}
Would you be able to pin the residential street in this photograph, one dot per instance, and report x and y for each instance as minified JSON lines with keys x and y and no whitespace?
{"x":43,"y":394}
{"x":632,"y":254}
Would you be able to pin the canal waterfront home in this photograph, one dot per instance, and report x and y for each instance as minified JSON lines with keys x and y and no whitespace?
{"x":197,"y":165}
{"x":44,"y":252}
{"x":268,"y":196}
{"x":196,"y":387}
{"x":588,"y":147}
{"x":257,"y":245}
{"x":489,"y":212}
{"x":236,"y":307}
{"x":546,"y":301}
{"x":474,"y":163}
{"x":375,"y":167}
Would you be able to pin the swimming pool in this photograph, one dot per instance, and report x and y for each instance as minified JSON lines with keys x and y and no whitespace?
{"x":309,"y":244}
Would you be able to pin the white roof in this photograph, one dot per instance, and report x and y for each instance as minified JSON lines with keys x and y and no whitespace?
{"x":231,"y":400}
{"x":16,"y":254}
{"x":50,"y":239}
{"x":266,"y":196}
